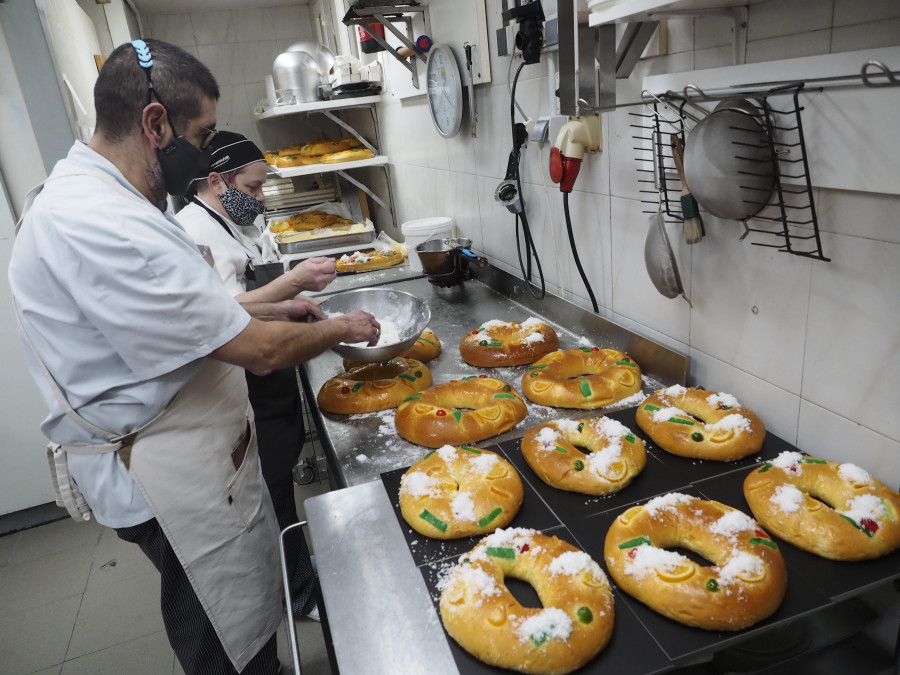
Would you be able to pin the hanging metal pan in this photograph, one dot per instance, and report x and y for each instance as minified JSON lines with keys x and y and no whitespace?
{"x":728,"y":162}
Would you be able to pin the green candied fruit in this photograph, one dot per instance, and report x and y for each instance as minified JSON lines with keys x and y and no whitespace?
{"x":534,"y":374}
{"x":419,"y":373}
{"x":507,"y":388}
{"x":585,"y":615}
{"x":697,"y":436}
{"x":386,"y":363}
{"x":580,"y":426}
{"x":483,"y":343}
{"x":712,"y":586}
{"x":579,"y":465}
{"x":700,"y":388}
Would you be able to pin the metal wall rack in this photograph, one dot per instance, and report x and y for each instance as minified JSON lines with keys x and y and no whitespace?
{"x":788,"y":222}
{"x":365,"y":12}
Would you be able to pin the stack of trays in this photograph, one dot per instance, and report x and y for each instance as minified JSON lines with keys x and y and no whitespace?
{"x":282,"y":195}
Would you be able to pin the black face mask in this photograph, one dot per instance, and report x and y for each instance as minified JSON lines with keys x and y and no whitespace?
{"x":180,"y":163}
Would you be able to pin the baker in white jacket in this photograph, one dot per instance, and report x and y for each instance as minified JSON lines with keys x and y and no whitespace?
{"x":139,"y":354}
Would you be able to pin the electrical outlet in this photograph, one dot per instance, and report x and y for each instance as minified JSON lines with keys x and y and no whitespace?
{"x":541,"y":130}
{"x":556,"y":123}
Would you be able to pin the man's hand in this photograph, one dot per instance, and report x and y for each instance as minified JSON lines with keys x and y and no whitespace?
{"x":300,"y":308}
{"x":313,"y":274}
{"x":359,"y":326}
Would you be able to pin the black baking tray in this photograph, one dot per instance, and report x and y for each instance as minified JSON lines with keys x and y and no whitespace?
{"x":631,"y":650}
{"x":657,"y":477}
{"x":683,"y":643}
{"x":837,"y":580}
{"x":533,"y":514}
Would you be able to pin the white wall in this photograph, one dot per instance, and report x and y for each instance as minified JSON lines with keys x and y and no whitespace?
{"x":810,"y":345}
{"x":239,"y":47}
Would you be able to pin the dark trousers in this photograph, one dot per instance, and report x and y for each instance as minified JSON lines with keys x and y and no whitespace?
{"x":279,"y":429}
{"x":190,"y":631}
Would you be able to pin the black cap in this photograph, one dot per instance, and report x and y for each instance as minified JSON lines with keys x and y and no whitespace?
{"x":230,"y":151}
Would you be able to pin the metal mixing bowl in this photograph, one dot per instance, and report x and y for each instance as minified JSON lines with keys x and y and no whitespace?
{"x":407,"y":311}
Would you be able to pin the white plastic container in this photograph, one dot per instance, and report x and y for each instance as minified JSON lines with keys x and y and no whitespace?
{"x":424,"y":229}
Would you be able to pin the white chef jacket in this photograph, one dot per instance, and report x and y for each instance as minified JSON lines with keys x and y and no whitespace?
{"x":120,"y":307}
{"x":230,"y":250}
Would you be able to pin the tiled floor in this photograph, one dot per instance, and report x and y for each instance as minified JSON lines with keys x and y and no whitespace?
{"x":76,"y":600}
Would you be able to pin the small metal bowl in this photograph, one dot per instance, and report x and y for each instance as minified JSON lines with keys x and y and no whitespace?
{"x":409,"y":312}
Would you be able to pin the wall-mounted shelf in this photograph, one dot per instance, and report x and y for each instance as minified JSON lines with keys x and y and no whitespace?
{"x":309,"y":169}
{"x":388,"y":12}
{"x":332,"y":110}
{"x":319,"y":106}
{"x":628,"y":11}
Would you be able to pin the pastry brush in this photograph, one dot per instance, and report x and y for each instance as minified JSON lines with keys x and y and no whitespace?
{"x":693,"y":225}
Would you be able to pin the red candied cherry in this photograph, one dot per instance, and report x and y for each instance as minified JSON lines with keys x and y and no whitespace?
{"x":869,"y":525}
{"x":345,"y":390}
{"x":595,"y":349}
{"x":482,"y":376}
{"x":441,"y":413}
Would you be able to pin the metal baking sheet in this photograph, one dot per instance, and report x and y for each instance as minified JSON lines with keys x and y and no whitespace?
{"x":533,"y":514}
{"x":837,"y":580}
{"x":630,"y":650}
{"x":683,"y":643}
{"x":653,"y":480}
{"x":325,"y":242}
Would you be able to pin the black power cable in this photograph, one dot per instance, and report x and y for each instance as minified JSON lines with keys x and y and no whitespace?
{"x":584,"y":278}
{"x":530,"y":250}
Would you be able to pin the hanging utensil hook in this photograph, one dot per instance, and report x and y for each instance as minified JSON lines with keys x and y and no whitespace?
{"x":891,"y":81}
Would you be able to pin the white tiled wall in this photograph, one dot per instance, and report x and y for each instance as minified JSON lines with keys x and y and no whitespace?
{"x":239,"y":47}
{"x":810,"y":345}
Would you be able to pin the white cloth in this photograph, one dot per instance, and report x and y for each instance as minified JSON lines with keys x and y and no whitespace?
{"x":120,"y":307}
{"x":230,"y":253}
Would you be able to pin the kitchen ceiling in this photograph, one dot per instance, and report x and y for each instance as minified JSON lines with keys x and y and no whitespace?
{"x":186,"y":6}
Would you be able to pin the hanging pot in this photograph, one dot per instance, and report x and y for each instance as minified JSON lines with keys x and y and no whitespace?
{"x":728,"y":162}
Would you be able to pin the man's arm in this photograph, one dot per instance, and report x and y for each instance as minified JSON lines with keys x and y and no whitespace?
{"x":266,"y":346}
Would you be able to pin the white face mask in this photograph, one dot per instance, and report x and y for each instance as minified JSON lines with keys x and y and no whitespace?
{"x":241,"y":208}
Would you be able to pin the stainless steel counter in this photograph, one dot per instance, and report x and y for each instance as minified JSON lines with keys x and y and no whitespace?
{"x":359,"y":448}
{"x":378,"y":608}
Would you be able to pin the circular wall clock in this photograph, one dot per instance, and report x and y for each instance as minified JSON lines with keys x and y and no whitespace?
{"x":445,"y":97}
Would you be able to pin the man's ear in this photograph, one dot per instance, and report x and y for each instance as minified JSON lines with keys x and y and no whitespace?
{"x":155,"y":125}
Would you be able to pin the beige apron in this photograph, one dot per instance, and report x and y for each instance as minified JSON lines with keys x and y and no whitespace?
{"x":197,"y":466}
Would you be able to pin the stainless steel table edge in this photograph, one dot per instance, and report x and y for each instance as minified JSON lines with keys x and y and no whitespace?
{"x":358,"y":544}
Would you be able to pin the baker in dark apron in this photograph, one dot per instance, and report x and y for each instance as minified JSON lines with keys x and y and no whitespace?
{"x":226,"y":200}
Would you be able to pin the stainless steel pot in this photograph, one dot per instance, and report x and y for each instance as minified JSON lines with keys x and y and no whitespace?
{"x":443,"y":257}
{"x":728,"y":162}
{"x":296,"y":75}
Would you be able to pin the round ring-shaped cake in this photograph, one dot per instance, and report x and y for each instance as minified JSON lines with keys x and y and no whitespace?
{"x":745,"y":584}
{"x":459,"y":492}
{"x":585,"y":378}
{"x":555,"y":451}
{"x":459,"y":412}
{"x":573,"y":626}
{"x":837,"y":511}
{"x":508,"y":343}
{"x":693,"y":422}
{"x":373,"y":386}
